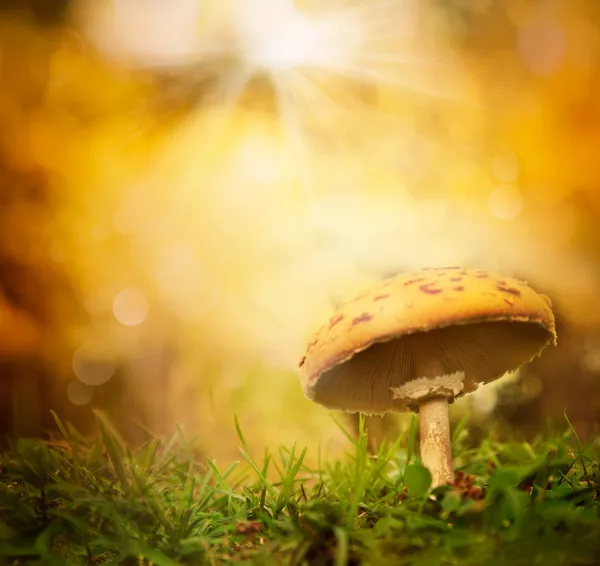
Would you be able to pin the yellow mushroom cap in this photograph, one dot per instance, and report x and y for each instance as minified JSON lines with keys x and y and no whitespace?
{"x":477,"y":326}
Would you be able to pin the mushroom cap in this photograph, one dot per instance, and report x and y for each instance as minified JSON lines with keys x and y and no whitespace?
{"x":477,"y":326}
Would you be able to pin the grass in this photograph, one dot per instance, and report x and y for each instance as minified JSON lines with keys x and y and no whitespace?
{"x":93,"y":501}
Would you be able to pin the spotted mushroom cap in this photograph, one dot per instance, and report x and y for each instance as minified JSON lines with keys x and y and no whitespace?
{"x":476,"y":325}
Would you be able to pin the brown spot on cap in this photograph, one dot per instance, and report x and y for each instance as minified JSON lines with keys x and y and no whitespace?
{"x":302,"y":362}
{"x":380,"y":297}
{"x":335,"y":320}
{"x":427,"y":289}
{"x":455,"y":279}
{"x":411,"y":281}
{"x":364,"y":317}
{"x":512,"y":290}
{"x":482,"y":276}
{"x":509,"y":301}
{"x":458,"y":288}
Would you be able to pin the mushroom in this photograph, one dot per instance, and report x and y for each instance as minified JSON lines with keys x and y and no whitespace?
{"x":419,"y":340}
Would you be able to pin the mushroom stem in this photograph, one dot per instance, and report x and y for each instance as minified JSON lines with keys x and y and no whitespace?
{"x":436,"y":452}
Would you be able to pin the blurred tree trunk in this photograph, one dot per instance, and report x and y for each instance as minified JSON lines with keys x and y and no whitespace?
{"x":35,"y":295}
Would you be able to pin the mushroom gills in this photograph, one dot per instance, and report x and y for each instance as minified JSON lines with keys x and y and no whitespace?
{"x":484,"y":351}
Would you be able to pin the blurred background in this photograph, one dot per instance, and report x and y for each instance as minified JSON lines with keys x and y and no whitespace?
{"x":187,"y":189}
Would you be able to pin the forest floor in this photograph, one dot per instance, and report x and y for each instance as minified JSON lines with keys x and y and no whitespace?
{"x":76,"y":500}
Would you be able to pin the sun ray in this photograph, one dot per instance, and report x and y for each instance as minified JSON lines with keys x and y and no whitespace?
{"x":375,"y":113}
{"x":371,"y":116}
{"x":301,"y":162}
{"x":348,"y":42}
{"x":360,"y":26}
{"x":188,"y":59}
{"x":376,"y":78}
{"x":360,"y":9}
{"x":135,"y":132}
{"x":225,"y":93}
{"x":398,"y":59}
{"x":312,"y":99}
{"x":225,"y":96}
{"x":229,"y":88}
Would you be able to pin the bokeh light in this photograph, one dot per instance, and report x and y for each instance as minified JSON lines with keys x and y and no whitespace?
{"x":94,"y":363}
{"x":542,"y":45}
{"x":505,"y":202}
{"x":79,"y":393}
{"x":131,"y":307}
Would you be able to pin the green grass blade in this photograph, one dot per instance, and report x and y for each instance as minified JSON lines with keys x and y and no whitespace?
{"x":258,"y":472}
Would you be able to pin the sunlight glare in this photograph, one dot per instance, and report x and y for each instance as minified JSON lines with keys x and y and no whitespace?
{"x":275,"y":36}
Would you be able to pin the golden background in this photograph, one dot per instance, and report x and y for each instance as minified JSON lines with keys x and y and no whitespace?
{"x":187,"y":191}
